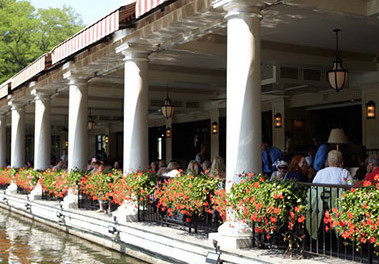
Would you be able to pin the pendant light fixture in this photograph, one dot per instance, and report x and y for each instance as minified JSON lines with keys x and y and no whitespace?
{"x":91,"y":121}
{"x":167,"y":107}
{"x":337,"y":77}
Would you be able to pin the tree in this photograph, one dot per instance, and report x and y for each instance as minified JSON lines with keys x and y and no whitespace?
{"x":27,"y":33}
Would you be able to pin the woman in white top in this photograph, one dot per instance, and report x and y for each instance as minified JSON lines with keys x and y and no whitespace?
{"x":334,"y":174}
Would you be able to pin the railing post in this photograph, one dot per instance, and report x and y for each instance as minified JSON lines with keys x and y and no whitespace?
{"x":370,"y":251}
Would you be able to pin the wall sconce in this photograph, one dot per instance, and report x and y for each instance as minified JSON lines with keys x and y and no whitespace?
{"x":106,"y":139}
{"x":66,"y":143}
{"x":214,"y":128}
{"x":278,"y":120}
{"x":168,"y":132}
{"x":370,"y":110}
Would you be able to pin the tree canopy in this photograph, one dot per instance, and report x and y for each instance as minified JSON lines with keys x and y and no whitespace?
{"x":26,"y":33}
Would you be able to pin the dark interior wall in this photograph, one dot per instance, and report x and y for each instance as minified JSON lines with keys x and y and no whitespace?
{"x":187,"y":139}
{"x":305,"y":123}
{"x":348,"y":118}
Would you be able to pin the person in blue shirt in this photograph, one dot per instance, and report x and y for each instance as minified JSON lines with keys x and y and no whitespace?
{"x":321,"y":154}
{"x":269,"y":156}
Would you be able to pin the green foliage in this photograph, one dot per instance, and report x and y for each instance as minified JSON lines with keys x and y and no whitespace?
{"x":58,"y":182}
{"x":27,"y":33}
{"x":357,"y":216}
{"x":270,"y":206}
{"x":187,"y":193}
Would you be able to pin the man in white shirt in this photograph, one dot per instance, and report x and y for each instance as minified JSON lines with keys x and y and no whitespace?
{"x":334,"y":174}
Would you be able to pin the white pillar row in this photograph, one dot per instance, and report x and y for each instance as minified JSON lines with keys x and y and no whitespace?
{"x":77,"y":123}
{"x":215,"y":148}
{"x":42,"y":134}
{"x":17,"y":135}
{"x":243,"y":111}
{"x":169,"y":140}
{"x":3,"y":141}
{"x":136,"y":64}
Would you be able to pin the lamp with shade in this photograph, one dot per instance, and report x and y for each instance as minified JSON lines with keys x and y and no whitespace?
{"x":337,"y":136}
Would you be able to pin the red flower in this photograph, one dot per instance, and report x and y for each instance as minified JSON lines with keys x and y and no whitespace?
{"x":372,"y":240}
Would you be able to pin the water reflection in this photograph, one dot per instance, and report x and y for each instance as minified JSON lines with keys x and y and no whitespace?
{"x":26,"y":241}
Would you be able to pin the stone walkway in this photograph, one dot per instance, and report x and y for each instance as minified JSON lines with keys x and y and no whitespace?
{"x":229,"y":256}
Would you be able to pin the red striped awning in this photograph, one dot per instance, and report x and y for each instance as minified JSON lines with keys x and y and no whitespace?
{"x":144,"y":6}
{"x":86,"y":37}
{"x":114,"y":21}
{"x":31,"y":70}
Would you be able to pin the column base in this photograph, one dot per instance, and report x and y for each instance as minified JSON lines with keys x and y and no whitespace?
{"x":232,"y":235}
{"x":11,"y":189}
{"x":127,"y":212}
{"x":36,"y":193}
{"x":70,"y":201}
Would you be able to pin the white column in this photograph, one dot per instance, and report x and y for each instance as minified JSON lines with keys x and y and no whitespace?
{"x":243,"y":134}
{"x":136,"y":139}
{"x":243,"y":116}
{"x":77,"y":124}
{"x":168,"y":141}
{"x":17,"y":135}
{"x":215,"y":148}
{"x":3,"y":141}
{"x":42,"y":135}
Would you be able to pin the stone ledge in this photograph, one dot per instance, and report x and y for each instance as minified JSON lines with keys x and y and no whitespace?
{"x":143,"y":240}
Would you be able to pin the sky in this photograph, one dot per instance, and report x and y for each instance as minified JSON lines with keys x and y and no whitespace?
{"x":90,"y":10}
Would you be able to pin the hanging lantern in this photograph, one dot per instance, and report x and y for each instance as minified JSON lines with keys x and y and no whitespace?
{"x":167,"y":107}
{"x":337,"y":77}
{"x":278,"y":120}
{"x":370,"y":110}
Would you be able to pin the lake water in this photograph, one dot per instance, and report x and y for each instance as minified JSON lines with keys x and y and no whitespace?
{"x":25,"y":241}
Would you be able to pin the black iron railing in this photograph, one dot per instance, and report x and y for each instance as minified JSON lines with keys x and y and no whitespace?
{"x":149,"y":212}
{"x":86,"y":202}
{"x":4,"y":186}
{"x":316,"y":240}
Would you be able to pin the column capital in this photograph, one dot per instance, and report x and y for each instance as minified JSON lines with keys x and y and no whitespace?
{"x":135,"y":51}
{"x":40,"y":94}
{"x":77,"y":79}
{"x":241,"y":8}
{"x":14,"y":105}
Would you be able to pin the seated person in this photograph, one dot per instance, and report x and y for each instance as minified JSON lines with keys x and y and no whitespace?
{"x":172,"y":169}
{"x":193,"y":167}
{"x":218,"y":167}
{"x":372,"y":167}
{"x":269,"y":156}
{"x":297,"y":169}
{"x":334,"y":174}
{"x":161,"y":167}
{"x":281,"y":172}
